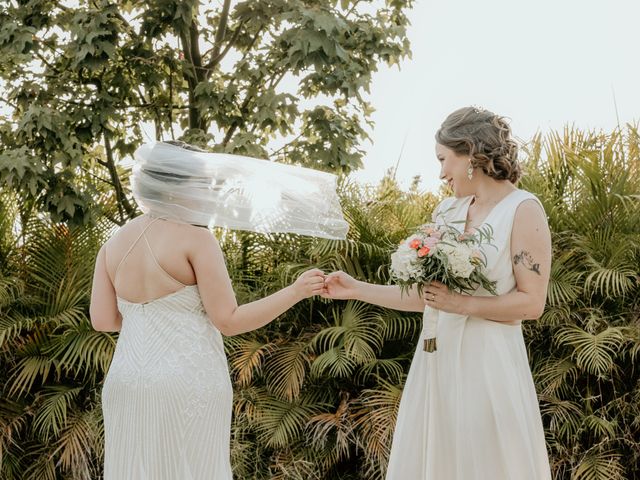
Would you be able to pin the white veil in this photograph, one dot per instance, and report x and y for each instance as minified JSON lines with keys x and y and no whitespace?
{"x":236,"y":192}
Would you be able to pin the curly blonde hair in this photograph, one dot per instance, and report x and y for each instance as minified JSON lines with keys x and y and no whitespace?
{"x":486,"y":138}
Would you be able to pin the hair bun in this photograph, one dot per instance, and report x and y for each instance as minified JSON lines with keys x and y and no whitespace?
{"x":486,"y":138}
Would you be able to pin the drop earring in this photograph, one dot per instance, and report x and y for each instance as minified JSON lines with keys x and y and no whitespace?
{"x":470,"y":170}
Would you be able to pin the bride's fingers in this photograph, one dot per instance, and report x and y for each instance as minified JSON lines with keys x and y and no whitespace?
{"x":332,"y":279}
{"x":435,"y":288}
{"x":313,"y":276}
{"x":318,"y":290}
{"x":429,"y":295}
{"x":314,"y":273}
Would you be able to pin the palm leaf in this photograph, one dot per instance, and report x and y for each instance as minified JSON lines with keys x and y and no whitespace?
{"x":51,"y":417}
{"x":594,"y":353}
{"x":281,"y":423}
{"x":247,"y":357}
{"x":600,"y":465}
{"x":286,"y":369}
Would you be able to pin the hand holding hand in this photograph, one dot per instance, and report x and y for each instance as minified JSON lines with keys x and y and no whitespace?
{"x":437,"y":295}
{"x":309,"y":283}
{"x":340,"y":286}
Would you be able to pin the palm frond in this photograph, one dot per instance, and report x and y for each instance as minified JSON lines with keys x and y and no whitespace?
{"x":281,"y":423}
{"x":247,"y":357}
{"x":357,"y":330}
{"x":52,"y":415}
{"x":286,"y":369}
{"x":594,"y":353}
{"x":600,"y":465}
{"x":375,"y":420}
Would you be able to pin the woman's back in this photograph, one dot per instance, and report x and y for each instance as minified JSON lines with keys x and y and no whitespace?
{"x":149,"y":258}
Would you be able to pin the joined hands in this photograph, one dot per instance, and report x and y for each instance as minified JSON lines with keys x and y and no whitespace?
{"x":336,"y":285}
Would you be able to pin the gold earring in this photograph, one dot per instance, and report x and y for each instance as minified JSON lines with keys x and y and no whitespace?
{"x":470,"y":170}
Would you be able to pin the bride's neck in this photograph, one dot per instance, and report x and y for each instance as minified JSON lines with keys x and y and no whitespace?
{"x":491,"y":192}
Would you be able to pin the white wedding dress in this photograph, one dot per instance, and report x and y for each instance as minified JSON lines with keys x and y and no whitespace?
{"x":167,"y":397}
{"x":469,"y":410}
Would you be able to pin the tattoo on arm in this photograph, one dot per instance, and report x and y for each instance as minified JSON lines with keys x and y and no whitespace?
{"x":527,"y":261}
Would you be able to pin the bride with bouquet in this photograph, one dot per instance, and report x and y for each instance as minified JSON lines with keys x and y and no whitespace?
{"x":469,"y":409}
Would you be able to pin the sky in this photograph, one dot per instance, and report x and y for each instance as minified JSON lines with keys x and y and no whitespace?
{"x":544,"y":64}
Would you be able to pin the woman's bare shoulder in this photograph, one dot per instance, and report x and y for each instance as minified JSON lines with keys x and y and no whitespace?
{"x":180,"y":236}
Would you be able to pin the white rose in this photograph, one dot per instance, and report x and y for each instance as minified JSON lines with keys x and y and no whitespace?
{"x":459,"y":257}
{"x":404,"y":263}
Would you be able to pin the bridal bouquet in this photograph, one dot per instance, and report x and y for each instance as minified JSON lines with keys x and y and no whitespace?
{"x":442,"y":253}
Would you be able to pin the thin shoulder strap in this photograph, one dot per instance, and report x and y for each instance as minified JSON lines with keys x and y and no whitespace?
{"x":115,"y":275}
{"x":157,"y":263}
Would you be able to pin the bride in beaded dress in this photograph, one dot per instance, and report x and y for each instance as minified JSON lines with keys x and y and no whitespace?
{"x":163,"y":284}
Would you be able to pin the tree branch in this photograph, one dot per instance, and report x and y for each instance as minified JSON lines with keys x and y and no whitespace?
{"x":113,"y":172}
{"x":253,"y":41}
{"x":13,"y":105}
{"x":222,"y":29}
{"x":217,"y":57}
{"x":134,"y":35}
{"x":195,"y":120}
{"x":196,"y":57}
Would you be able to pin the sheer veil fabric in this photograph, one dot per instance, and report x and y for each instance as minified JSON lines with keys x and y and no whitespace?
{"x":236,"y":192}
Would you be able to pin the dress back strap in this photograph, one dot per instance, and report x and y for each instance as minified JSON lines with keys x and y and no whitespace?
{"x":115,"y":275}
{"x":167,"y":274}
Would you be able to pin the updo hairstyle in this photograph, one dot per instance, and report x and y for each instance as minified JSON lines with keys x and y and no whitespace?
{"x":486,"y":138}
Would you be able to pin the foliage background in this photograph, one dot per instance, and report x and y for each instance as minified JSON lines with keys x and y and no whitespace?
{"x":317,"y":390}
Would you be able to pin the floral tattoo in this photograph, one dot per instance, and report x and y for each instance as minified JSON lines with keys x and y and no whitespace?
{"x":527,"y":261}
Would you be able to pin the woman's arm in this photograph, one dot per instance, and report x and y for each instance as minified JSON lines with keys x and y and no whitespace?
{"x":219,"y":299}
{"x":531,"y":262}
{"x":342,"y":286}
{"x":103,"y":310}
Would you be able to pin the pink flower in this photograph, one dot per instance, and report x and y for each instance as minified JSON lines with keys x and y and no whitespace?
{"x":423,"y":251}
{"x":415,"y":243}
{"x":431,"y":242}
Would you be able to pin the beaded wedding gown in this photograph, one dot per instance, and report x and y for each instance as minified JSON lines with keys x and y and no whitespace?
{"x":469,"y":410}
{"x":167,"y":396}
